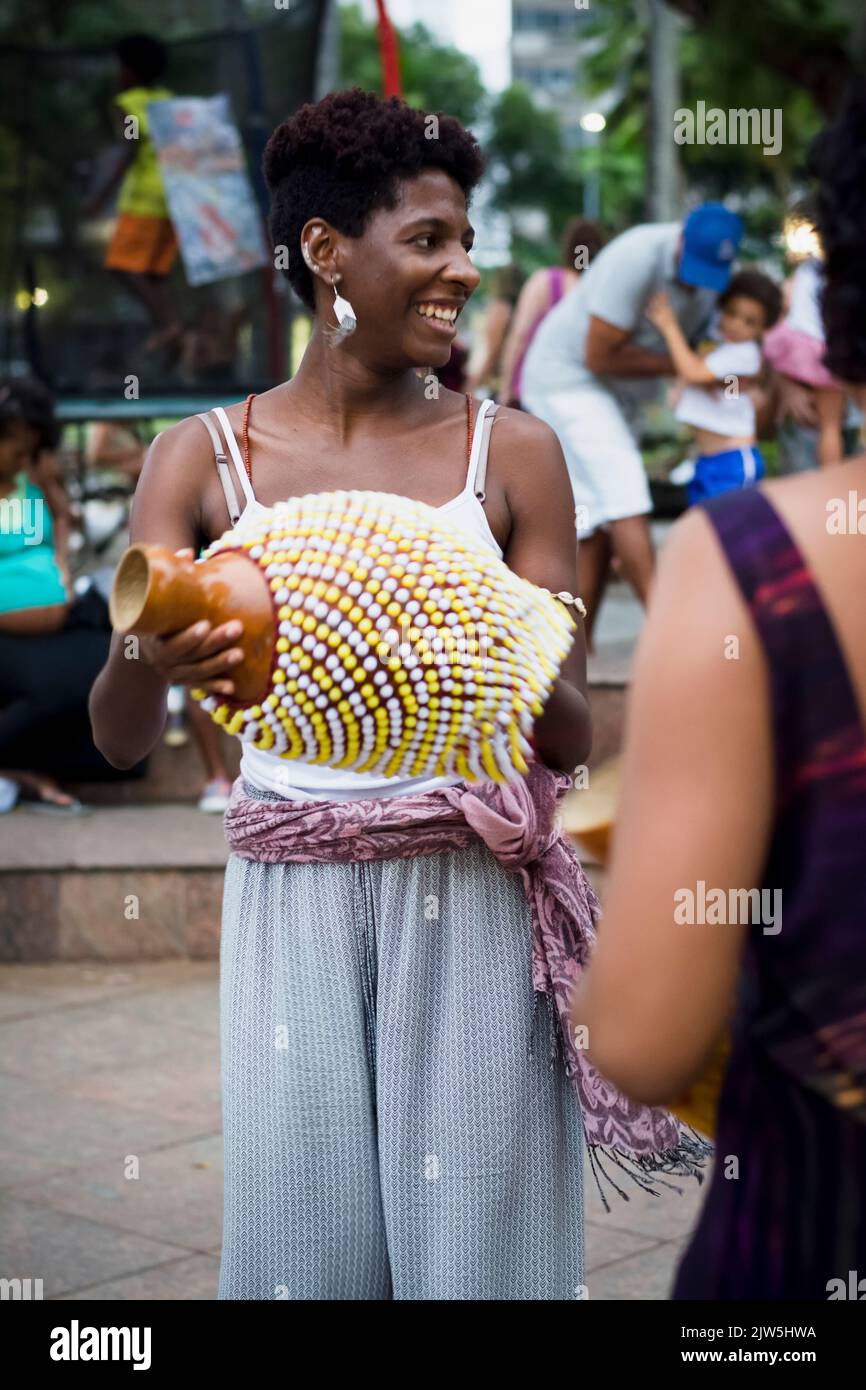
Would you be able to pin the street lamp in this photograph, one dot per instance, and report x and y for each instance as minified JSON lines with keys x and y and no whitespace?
{"x":592,"y":123}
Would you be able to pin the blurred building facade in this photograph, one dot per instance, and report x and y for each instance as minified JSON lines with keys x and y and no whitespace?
{"x":545,"y":51}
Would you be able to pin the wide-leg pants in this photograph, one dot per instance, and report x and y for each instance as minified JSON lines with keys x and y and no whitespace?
{"x":387,"y":1134}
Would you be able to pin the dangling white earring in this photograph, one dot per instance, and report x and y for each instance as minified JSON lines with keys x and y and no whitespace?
{"x":345,"y":315}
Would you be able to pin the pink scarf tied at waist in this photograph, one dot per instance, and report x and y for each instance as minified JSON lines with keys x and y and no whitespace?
{"x":516,"y":822}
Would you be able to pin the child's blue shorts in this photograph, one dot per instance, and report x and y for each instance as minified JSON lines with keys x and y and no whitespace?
{"x":715,"y":473}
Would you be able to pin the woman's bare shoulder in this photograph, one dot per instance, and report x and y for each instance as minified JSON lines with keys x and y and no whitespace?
{"x":186,"y":443}
{"x":522,"y":440}
{"x":177,"y":465}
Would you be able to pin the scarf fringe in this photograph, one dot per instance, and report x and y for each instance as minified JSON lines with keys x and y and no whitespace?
{"x":645,"y":1171}
{"x":687,"y":1160}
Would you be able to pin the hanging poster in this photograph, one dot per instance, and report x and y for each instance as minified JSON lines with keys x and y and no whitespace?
{"x":212,"y":204}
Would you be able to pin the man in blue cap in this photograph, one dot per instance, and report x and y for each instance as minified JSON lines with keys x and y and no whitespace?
{"x":596,"y":360}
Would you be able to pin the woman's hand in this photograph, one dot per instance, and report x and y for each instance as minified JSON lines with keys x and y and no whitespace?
{"x":201,"y":656}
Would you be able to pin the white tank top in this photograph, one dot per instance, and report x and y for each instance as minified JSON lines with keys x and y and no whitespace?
{"x":298,"y":781}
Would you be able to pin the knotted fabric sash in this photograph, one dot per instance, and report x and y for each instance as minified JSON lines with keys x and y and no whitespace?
{"x":516,"y":823}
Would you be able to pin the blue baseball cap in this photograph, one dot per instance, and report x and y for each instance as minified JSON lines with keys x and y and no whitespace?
{"x":711,"y":239}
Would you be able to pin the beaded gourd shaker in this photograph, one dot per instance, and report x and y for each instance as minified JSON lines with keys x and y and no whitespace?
{"x":404,"y":647}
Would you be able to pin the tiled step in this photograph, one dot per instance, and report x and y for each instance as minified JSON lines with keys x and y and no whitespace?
{"x":126,"y":883}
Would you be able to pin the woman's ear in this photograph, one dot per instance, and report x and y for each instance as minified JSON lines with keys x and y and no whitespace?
{"x":318,"y":248}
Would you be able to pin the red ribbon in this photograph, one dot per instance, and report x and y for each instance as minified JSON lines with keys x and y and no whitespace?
{"x":389,"y":53}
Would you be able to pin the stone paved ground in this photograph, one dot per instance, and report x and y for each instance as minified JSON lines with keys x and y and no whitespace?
{"x":106,"y":1065}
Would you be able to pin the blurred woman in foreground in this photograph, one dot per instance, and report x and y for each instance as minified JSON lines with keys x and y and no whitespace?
{"x":745,"y":769}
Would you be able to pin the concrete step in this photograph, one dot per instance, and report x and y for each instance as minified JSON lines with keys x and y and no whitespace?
{"x":125,"y":883}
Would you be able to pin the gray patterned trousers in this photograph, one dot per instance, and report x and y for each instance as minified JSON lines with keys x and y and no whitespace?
{"x":387,"y":1135}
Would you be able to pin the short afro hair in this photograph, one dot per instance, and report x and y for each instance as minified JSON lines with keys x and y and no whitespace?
{"x":343,"y":157}
{"x":753,"y":284}
{"x":838,"y":157}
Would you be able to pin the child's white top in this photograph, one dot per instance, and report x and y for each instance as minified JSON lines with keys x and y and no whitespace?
{"x":727,"y":408}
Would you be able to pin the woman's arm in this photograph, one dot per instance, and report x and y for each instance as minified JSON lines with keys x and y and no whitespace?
{"x":542,"y":547}
{"x":128,"y":700}
{"x":696,"y":807}
{"x":533,"y":301}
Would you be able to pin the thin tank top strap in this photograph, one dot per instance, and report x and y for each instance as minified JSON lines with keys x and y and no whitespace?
{"x":235,"y":452}
{"x":477,"y":475}
{"x":818,"y":727}
{"x":223,"y":469}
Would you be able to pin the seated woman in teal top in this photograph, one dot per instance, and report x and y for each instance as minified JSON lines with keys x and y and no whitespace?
{"x":33,"y":595}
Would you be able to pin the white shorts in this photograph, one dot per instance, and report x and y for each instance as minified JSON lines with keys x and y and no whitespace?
{"x":607,"y":474}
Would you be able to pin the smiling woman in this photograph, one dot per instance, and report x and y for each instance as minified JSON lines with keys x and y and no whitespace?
{"x":393,"y":1128}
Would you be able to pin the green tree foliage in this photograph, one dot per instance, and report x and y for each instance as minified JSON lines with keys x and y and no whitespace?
{"x":776,"y":56}
{"x":435,"y":76}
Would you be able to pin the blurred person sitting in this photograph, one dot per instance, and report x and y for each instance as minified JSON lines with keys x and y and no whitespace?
{"x":210,"y":345}
{"x":113,"y":445}
{"x":52,"y":642}
{"x":34,"y":573}
{"x":715,"y":400}
{"x":747,"y":727}
{"x":541,"y":293}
